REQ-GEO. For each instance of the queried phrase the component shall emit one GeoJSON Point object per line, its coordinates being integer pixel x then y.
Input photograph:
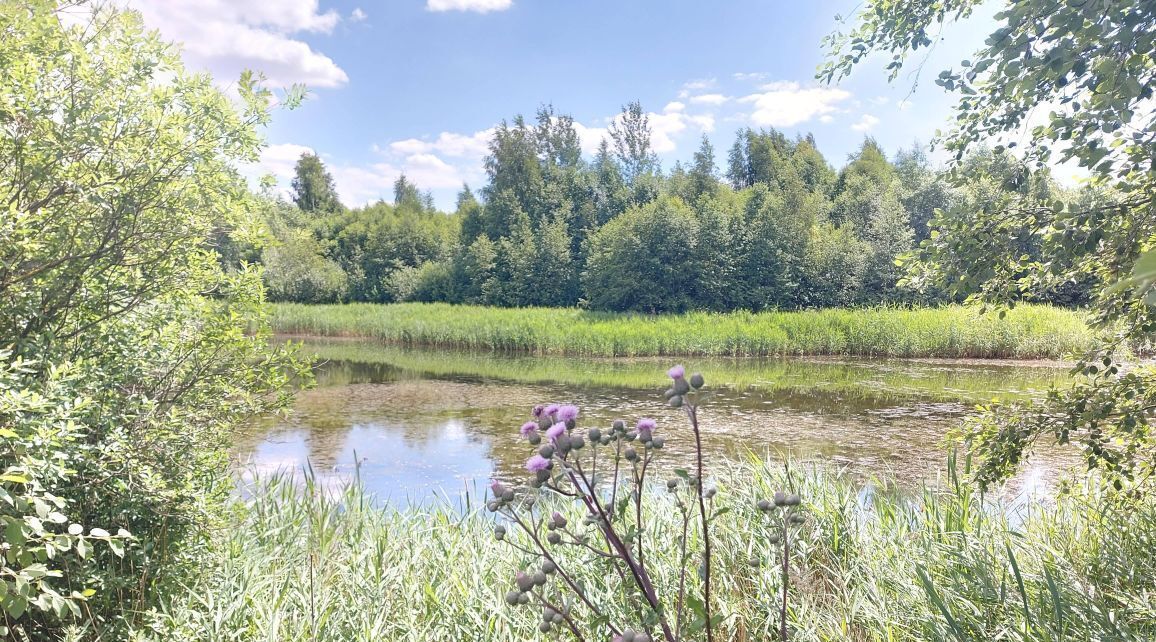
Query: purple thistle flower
{"type": "Point", "coordinates": [497, 488]}
{"type": "Point", "coordinates": [676, 373]}
{"type": "Point", "coordinates": [550, 410]}
{"type": "Point", "coordinates": [567, 413]}
{"type": "Point", "coordinates": [537, 411]}
{"type": "Point", "coordinates": [529, 428]}
{"type": "Point", "coordinates": [646, 425]}
{"type": "Point", "coordinates": [554, 431]}
{"type": "Point", "coordinates": [537, 463]}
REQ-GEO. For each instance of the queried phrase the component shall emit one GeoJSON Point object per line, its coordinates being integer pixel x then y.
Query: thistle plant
{"type": "Point", "coordinates": [610, 475]}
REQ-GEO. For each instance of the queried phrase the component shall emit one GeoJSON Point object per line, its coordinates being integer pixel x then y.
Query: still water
{"type": "Point", "coordinates": [432, 425]}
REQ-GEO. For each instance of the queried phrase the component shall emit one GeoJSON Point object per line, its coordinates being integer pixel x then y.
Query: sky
{"type": "Point", "coordinates": [415, 86]}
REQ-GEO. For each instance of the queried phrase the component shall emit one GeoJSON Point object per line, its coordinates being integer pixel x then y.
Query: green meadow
{"type": "Point", "coordinates": [1026, 332]}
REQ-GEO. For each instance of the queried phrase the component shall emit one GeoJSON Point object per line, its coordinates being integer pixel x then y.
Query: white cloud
{"type": "Point", "coordinates": [880, 100]}
{"type": "Point", "coordinates": [228, 36]}
{"type": "Point", "coordinates": [589, 138]}
{"type": "Point", "coordinates": [674, 106]}
{"type": "Point", "coordinates": [865, 123]}
{"type": "Point", "coordinates": [695, 86]}
{"type": "Point", "coordinates": [749, 77]}
{"type": "Point", "coordinates": [785, 104]}
{"type": "Point", "coordinates": [709, 99]}
{"type": "Point", "coordinates": [277, 161]}
{"type": "Point", "coordinates": [826, 118]}
{"type": "Point", "coordinates": [357, 15]}
{"type": "Point", "coordinates": [474, 145]}
{"type": "Point", "coordinates": [480, 6]}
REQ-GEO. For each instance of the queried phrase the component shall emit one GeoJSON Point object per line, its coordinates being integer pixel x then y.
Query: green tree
{"type": "Point", "coordinates": [643, 259]}
{"type": "Point", "coordinates": [703, 173]}
{"type": "Point", "coordinates": [833, 267]}
{"type": "Point", "coordinates": [313, 188]}
{"type": "Point", "coordinates": [631, 135]}
{"type": "Point", "coordinates": [1092, 63]}
{"type": "Point", "coordinates": [129, 355]}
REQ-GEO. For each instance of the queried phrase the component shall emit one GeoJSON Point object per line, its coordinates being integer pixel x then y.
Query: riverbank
{"type": "Point", "coordinates": [301, 564]}
{"type": "Point", "coordinates": [1027, 332]}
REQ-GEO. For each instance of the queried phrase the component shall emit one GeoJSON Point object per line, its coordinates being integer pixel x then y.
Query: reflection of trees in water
{"type": "Point", "coordinates": [871, 433]}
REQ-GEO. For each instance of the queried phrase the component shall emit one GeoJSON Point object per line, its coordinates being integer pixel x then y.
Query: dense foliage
{"type": "Point", "coordinates": [614, 232]}
{"type": "Point", "coordinates": [1091, 65]}
{"type": "Point", "coordinates": [125, 356]}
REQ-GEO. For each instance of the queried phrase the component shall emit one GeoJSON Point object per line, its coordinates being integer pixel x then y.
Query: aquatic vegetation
{"type": "Point", "coordinates": [1029, 331]}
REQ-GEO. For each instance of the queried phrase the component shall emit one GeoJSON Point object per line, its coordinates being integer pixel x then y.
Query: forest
{"type": "Point", "coordinates": [780, 229]}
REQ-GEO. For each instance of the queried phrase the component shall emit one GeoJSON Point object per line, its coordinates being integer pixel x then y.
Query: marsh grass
{"type": "Point", "coordinates": [872, 563]}
{"type": "Point", "coordinates": [1027, 332]}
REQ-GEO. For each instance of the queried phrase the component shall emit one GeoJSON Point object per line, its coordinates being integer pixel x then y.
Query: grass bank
{"type": "Point", "coordinates": [935, 565]}
{"type": "Point", "coordinates": [1028, 332]}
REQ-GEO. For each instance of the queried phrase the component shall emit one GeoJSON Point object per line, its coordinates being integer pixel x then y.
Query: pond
{"type": "Point", "coordinates": [420, 425]}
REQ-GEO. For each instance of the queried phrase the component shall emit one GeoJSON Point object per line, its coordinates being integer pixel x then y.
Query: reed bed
{"type": "Point", "coordinates": [1027, 332]}
{"type": "Point", "coordinates": [872, 564]}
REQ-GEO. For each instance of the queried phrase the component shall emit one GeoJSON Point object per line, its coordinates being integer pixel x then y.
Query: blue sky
{"type": "Point", "coordinates": [415, 85]}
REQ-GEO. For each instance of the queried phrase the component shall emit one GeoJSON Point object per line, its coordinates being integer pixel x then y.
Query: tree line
{"type": "Point", "coordinates": [781, 228]}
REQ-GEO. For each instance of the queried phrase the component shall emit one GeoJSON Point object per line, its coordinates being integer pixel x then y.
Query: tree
{"type": "Point", "coordinates": [1092, 63]}
{"type": "Point", "coordinates": [406, 195]}
{"type": "Point", "coordinates": [703, 174]}
{"type": "Point", "coordinates": [643, 259]}
{"type": "Point", "coordinates": [129, 355]}
{"type": "Point", "coordinates": [632, 148]}
{"type": "Point", "coordinates": [313, 188]}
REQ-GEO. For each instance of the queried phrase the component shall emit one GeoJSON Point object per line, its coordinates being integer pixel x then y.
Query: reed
{"type": "Point", "coordinates": [1027, 332]}
{"type": "Point", "coordinates": [871, 563]}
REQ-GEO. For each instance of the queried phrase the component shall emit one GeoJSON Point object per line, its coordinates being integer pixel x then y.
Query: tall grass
{"type": "Point", "coordinates": [873, 564]}
{"type": "Point", "coordinates": [954, 331]}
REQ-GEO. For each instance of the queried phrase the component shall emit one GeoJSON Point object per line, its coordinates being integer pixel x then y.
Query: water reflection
{"type": "Point", "coordinates": [417, 425]}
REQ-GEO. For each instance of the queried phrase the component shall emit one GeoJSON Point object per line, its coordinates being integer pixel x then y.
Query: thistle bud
{"type": "Point", "coordinates": [512, 598]}
{"type": "Point", "coordinates": [631, 436]}
{"type": "Point", "coordinates": [577, 443]}
{"type": "Point", "coordinates": [548, 567]}
{"type": "Point", "coordinates": [619, 425]}
{"type": "Point", "coordinates": [524, 598]}
{"type": "Point", "coordinates": [595, 435]}
{"type": "Point", "coordinates": [559, 520]}
{"type": "Point", "coordinates": [629, 635]}
{"type": "Point", "coordinates": [524, 582]}
{"type": "Point", "coordinates": [508, 495]}
{"type": "Point", "coordinates": [541, 476]}
{"type": "Point", "coordinates": [675, 401]}
{"type": "Point", "coordinates": [548, 614]}
{"type": "Point", "coordinates": [696, 381]}
{"type": "Point", "coordinates": [773, 538]}
{"type": "Point", "coordinates": [554, 538]}
{"type": "Point", "coordinates": [681, 386]}
{"type": "Point", "coordinates": [710, 492]}
{"type": "Point", "coordinates": [755, 562]}
{"type": "Point", "coordinates": [797, 519]}
{"type": "Point", "coordinates": [539, 578]}
{"type": "Point", "coordinates": [492, 506]}
{"type": "Point", "coordinates": [534, 439]}
{"type": "Point", "coordinates": [794, 500]}
{"type": "Point", "coordinates": [669, 393]}
{"type": "Point", "coordinates": [764, 505]}
{"type": "Point", "coordinates": [671, 484]}
{"type": "Point", "coordinates": [546, 451]}
{"type": "Point", "coordinates": [545, 627]}
{"type": "Point", "coordinates": [780, 498]}
{"type": "Point", "coordinates": [499, 532]}
{"type": "Point", "coordinates": [658, 442]}
{"type": "Point", "coordinates": [631, 454]}
{"type": "Point", "coordinates": [557, 619]}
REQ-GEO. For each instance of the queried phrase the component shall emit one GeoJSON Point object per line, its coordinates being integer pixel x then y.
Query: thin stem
{"type": "Point", "coordinates": [692, 413]}
{"type": "Point", "coordinates": [786, 578]}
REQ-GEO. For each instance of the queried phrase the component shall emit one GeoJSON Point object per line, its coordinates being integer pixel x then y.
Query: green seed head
{"type": "Point", "coordinates": [595, 435]}
{"type": "Point", "coordinates": [696, 381]}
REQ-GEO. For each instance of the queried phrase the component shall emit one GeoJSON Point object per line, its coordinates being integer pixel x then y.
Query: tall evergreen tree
{"type": "Point", "coordinates": [313, 188]}
{"type": "Point", "coordinates": [631, 134]}
{"type": "Point", "coordinates": [703, 173]}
